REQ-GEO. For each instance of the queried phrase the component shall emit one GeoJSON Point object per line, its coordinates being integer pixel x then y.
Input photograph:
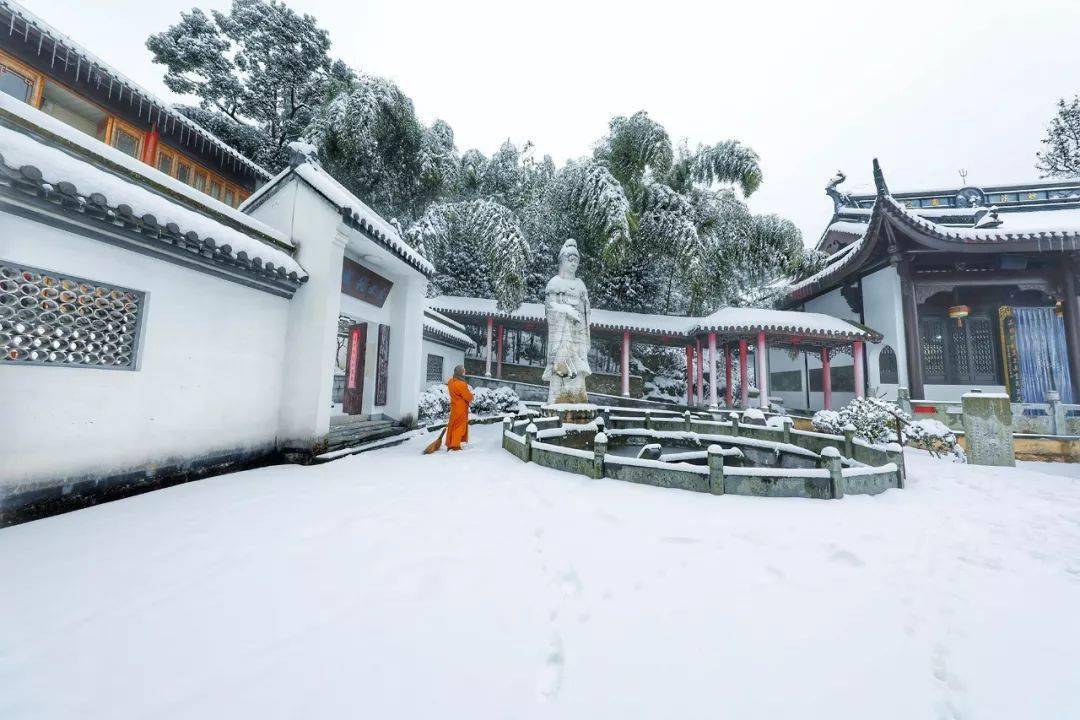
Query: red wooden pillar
{"type": "Point", "coordinates": [762, 372]}
{"type": "Point", "coordinates": [712, 369]}
{"type": "Point", "coordinates": [626, 363]}
{"type": "Point", "coordinates": [700, 373]}
{"type": "Point", "coordinates": [502, 334]}
{"type": "Point", "coordinates": [689, 374]}
{"type": "Point", "coordinates": [860, 383]}
{"type": "Point", "coordinates": [727, 375]}
{"type": "Point", "coordinates": [487, 361]}
{"type": "Point", "coordinates": [826, 379]}
{"type": "Point", "coordinates": [744, 380]}
{"type": "Point", "coordinates": [150, 147]}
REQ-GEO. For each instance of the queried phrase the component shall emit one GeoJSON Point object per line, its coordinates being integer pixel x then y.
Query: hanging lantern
{"type": "Point", "coordinates": [1059, 308]}
{"type": "Point", "coordinates": [793, 351]}
{"type": "Point", "coordinates": [958, 313]}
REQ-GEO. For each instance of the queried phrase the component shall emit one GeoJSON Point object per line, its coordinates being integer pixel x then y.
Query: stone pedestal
{"type": "Point", "coordinates": [988, 429]}
{"type": "Point", "coordinates": [578, 413]}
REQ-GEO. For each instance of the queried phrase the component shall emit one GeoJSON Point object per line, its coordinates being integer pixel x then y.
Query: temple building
{"type": "Point", "coordinates": [970, 288]}
{"type": "Point", "coordinates": [49, 71]}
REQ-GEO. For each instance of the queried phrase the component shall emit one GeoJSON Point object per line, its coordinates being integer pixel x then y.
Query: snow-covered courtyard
{"type": "Point", "coordinates": [472, 585]}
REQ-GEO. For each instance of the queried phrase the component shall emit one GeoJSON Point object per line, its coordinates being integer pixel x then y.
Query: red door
{"type": "Point", "coordinates": [353, 402]}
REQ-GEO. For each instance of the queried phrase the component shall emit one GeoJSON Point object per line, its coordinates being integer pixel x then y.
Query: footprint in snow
{"type": "Point", "coordinates": [552, 671]}
{"type": "Point", "coordinates": [845, 557]}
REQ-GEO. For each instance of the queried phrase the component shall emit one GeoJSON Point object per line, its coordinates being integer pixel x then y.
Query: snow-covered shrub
{"type": "Point", "coordinates": [828, 421]}
{"type": "Point", "coordinates": [935, 437]}
{"type": "Point", "coordinates": [874, 419]}
{"type": "Point", "coordinates": [499, 401]}
{"type": "Point", "coordinates": [434, 403]}
{"type": "Point", "coordinates": [779, 421]}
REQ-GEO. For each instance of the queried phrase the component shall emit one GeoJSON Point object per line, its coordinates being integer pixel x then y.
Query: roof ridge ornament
{"type": "Point", "coordinates": [879, 180]}
{"type": "Point", "coordinates": [840, 199]}
{"type": "Point", "coordinates": [303, 152]}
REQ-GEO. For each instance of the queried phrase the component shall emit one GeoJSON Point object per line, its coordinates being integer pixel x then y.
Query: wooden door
{"type": "Point", "coordinates": [353, 400]}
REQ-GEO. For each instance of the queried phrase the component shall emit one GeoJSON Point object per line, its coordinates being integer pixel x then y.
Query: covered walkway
{"type": "Point", "coordinates": [733, 332]}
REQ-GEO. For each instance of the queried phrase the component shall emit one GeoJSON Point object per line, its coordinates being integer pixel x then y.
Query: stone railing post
{"type": "Point", "coordinates": [988, 429]}
{"type": "Point", "coordinates": [1057, 412]}
{"type": "Point", "coordinates": [785, 428]}
{"type": "Point", "coordinates": [830, 457]}
{"type": "Point", "coordinates": [648, 419]}
{"type": "Point", "coordinates": [599, 451]}
{"type": "Point", "coordinates": [734, 423]}
{"type": "Point", "coordinates": [716, 470]}
{"type": "Point", "coordinates": [508, 424]}
{"type": "Point", "coordinates": [903, 399]}
{"type": "Point", "coordinates": [530, 438]}
{"type": "Point", "coordinates": [849, 440]}
{"type": "Point", "coordinates": [894, 453]}
{"type": "Point", "coordinates": [686, 421]}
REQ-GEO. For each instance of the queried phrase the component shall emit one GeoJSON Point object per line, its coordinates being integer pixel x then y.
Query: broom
{"type": "Point", "coordinates": [435, 444]}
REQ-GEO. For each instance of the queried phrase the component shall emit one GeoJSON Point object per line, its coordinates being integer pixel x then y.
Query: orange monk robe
{"type": "Point", "coordinates": [457, 429]}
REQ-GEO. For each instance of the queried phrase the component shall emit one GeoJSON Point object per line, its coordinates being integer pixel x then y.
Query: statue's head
{"type": "Point", "coordinates": [569, 259]}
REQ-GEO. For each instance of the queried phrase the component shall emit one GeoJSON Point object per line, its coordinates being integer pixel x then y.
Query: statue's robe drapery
{"type": "Point", "coordinates": [457, 428]}
{"type": "Point", "coordinates": [566, 302]}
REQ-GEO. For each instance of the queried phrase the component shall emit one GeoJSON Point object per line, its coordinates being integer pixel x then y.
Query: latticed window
{"type": "Point", "coordinates": [933, 348]}
{"type": "Point", "coordinates": [54, 319]}
{"type": "Point", "coordinates": [955, 354]}
{"type": "Point", "coordinates": [887, 369]}
{"type": "Point", "coordinates": [434, 368]}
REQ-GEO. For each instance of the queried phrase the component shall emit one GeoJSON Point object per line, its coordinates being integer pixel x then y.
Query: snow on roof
{"type": "Point", "coordinates": [733, 320]}
{"type": "Point", "coordinates": [435, 315]}
{"type": "Point", "coordinates": [36, 119]}
{"type": "Point", "coordinates": [834, 263]}
{"type": "Point", "coordinates": [446, 329]}
{"type": "Point", "coordinates": [86, 57]}
{"type": "Point", "coordinates": [341, 198]}
{"type": "Point", "coordinates": [1064, 219]}
{"type": "Point", "coordinates": [18, 150]}
{"type": "Point", "coordinates": [851, 228]}
{"type": "Point", "coordinates": [1050, 231]}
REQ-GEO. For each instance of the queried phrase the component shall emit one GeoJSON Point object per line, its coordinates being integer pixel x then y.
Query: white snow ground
{"type": "Point", "coordinates": [471, 585]}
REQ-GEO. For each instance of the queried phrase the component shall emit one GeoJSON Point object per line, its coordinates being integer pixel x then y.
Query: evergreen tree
{"type": "Point", "coordinates": [260, 63]}
{"type": "Point", "coordinates": [1061, 154]}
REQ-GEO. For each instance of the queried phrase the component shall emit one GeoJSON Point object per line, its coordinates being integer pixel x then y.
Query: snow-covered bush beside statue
{"type": "Point", "coordinates": [435, 402]}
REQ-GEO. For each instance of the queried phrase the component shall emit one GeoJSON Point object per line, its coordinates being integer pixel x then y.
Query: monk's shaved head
{"type": "Point", "coordinates": [459, 371]}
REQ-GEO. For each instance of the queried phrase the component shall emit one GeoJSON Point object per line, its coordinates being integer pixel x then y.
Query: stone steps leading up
{"type": "Point", "coordinates": [355, 435]}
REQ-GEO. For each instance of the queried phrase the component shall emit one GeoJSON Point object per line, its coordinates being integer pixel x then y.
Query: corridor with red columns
{"type": "Point", "coordinates": [728, 338]}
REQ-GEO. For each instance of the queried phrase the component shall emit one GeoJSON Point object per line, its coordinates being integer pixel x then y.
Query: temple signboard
{"type": "Point", "coordinates": [363, 284]}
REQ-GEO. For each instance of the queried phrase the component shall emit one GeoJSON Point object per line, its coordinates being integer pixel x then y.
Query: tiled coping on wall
{"type": "Point", "coordinates": [812, 465]}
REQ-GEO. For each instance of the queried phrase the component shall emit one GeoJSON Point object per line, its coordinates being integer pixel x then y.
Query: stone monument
{"type": "Point", "coordinates": [988, 433]}
{"type": "Point", "coordinates": [566, 305]}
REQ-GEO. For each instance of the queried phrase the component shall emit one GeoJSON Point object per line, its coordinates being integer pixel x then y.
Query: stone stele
{"type": "Point", "coordinates": [988, 433]}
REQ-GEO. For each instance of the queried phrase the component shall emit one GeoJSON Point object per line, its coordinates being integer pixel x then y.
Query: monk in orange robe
{"type": "Point", "coordinates": [457, 428]}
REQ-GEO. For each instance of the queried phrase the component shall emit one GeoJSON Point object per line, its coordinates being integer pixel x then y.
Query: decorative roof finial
{"type": "Point", "coordinates": [302, 152]}
{"type": "Point", "coordinates": [879, 180]}
{"type": "Point", "coordinates": [840, 199]}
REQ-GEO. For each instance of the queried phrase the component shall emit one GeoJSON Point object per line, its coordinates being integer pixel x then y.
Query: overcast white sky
{"type": "Point", "coordinates": [927, 87]}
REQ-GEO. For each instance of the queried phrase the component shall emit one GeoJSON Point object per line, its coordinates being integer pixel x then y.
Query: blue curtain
{"type": "Point", "coordinates": [1044, 364]}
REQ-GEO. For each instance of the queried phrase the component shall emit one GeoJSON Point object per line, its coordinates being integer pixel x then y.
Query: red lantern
{"type": "Point", "coordinates": [958, 313]}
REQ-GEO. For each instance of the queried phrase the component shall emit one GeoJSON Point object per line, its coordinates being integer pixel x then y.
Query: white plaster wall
{"type": "Point", "coordinates": [451, 358]}
{"type": "Point", "coordinates": [780, 361]}
{"type": "Point", "coordinates": [209, 378]}
{"type": "Point", "coordinates": [884, 312]}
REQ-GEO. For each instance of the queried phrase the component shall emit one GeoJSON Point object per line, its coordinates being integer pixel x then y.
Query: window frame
{"type": "Point", "coordinates": [949, 341]}
{"type": "Point", "coordinates": [36, 77]}
{"type": "Point", "coordinates": [114, 125]}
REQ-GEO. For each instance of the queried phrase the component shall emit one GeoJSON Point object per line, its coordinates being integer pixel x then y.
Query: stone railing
{"type": "Point", "coordinates": [811, 464]}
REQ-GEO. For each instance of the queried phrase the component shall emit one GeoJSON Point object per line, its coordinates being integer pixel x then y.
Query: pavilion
{"type": "Point", "coordinates": [732, 332]}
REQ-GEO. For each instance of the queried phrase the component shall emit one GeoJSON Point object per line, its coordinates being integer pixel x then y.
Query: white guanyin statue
{"type": "Point", "coordinates": [566, 302]}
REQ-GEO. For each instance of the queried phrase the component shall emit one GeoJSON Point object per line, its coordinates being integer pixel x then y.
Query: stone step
{"type": "Point", "coordinates": [367, 445]}
{"type": "Point", "coordinates": [362, 436]}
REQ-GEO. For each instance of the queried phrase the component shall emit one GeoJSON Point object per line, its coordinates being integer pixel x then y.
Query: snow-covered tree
{"type": "Point", "coordinates": [1061, 154]}
{"type": "Point", "coordinates": [477, 248]}
{"type": "Point", "coordinates": [260, 63]}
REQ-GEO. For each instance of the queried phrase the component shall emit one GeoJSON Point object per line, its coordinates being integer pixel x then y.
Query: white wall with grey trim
{"type": "Point", "coordinates": [208, 377]}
